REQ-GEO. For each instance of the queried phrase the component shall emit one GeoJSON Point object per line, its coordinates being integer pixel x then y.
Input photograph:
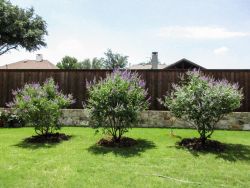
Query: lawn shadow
{"type": "Point", "coordinates": [232, 152]}
{"type": "Point", "coordinates": [235, 152]}
{"type": "Point", "coordinates": [28, 144]}
{"type": "Point", "coordinates": [141, 146]}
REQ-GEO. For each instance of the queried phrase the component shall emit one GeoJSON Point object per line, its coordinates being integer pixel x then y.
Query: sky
{"type": "Point", "coordinates": [212, 33]}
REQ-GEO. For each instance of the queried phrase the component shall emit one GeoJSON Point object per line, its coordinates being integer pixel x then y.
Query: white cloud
{"type": "Point", "coordinates": [221, 51]}
{"type": "Point", "coordinates": [199, 32]}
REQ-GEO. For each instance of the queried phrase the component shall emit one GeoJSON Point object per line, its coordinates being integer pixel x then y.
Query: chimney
{"type": "Point", "coordinates": [39, 57]}
{"type": "Point", "coordinates": [154, 60]}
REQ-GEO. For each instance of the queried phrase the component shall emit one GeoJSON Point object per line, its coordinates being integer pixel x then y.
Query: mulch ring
{"type": "Point", "coordinates": [49, 138]}
{"type": "Point", "coordinates": [196, 145]}
{"type": "Point", "coordinates": [124, 142]}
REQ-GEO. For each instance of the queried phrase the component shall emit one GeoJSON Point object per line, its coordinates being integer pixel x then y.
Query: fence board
{"type": "Point", "coordinates": [158, 82]}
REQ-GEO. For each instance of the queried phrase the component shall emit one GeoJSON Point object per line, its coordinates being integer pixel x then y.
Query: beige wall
{"type": "Point", "coordinates": [233, 121]}
{"type": "Point", "coordinates": [151, 118]}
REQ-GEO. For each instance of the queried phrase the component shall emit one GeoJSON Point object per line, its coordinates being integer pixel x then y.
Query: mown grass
{"type": "Point", "coordinates": [155, 162]}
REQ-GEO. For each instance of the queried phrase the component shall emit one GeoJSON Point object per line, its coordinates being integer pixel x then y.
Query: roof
{"type": "Point", "coordinates": [146, 66]}
{"type": "Point", "coordinates": [185, 62]}
{"type": "Point", "coordinates": [30, 64]}
{"type": "Point", "coordinates": [181, 64]}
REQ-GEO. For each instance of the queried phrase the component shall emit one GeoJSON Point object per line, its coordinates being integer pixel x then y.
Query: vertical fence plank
{"type": "Point", "coordinates": [158, 82]}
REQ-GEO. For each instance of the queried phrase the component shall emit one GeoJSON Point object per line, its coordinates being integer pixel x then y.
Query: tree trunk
{"type": "Point", "coordinates": [203, 138]}
{"type": "Point", "coordinates": [117, 136]}
{"type": "Point", "coordinates": [203, 141]}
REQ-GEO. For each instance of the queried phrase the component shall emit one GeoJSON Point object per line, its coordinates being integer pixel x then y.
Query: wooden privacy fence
{"type": "Point", "coordinates": [158, 82]}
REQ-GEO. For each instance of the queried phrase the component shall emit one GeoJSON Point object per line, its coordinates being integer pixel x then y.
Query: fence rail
{"type": "Point", "coordinates": [158, 82]}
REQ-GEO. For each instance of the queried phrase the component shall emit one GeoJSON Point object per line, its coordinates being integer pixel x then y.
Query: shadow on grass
{"type": "Point", "coordinates": [27, 143]}
{"type": "Point", "coordinates": [235, 152]}
{"type": "Point", "coordinates": [141, 146]}
{"type": "Point", "coordinates": [232, 152]}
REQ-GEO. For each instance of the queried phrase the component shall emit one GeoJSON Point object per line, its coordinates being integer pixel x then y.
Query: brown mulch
{"type": "Point", "coordinates": [124, 142]}
{"type": "Point", "coordinates": [196, 145]}
{"type": "Point", "coordinates": [49, 138]}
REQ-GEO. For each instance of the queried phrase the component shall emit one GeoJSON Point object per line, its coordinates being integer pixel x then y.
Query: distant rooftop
{"type": "Point", "coordinates": [31, 64]}
{"type": "Point", "coordinates": [147, 66]}
{"type": "Point", "coordinates": [184, 64]}
{"type": "Point", "coordinates": [181, 64]}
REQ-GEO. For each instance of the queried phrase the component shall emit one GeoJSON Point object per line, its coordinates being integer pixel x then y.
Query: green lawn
{"type": "Point", "coordinates": [155, 162]}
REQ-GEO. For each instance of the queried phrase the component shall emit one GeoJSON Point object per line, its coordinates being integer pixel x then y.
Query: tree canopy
{"type": "Point", "coordinates": [203, 101]}
{"type": "Point", "coordinates": [115, 103]}
{"type": "Point", "coordinates": [115, 60]}
{"type": "Point", "coordinates": [20, 28]}
{"type": "Point", "coordinates": [85, 64]}
{"type": "Point", "coordinates": [97, 63]}
{"type": "Point", "coordinates": [68, 63]}
{"type": "Point", "coordinates": [110, 61]}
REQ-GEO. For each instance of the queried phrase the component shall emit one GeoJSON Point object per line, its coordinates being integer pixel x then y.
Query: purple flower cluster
{"type": "Point", "coordinates": [37, 91]}
{"type": "Point", "coordinates": [10, 104]}
{"type": "Point", "coordinates": [212, 81]}
{"type": "Point", "coordinates": [128, 76]}
{"type": "Point", "coordinates": [142, 83]}
{"type": "Point", "coordinates": [69, 97]}
{"type": "Point", "coordinates": [35, 85]}
{"type": "Point", "coordinates": [57, 87]}
{"type": "Point", "coordinates": [26, 98]}
{"type": "Point", "coordinates": [15, 92]}
{"type": "Point", "coordinates": [89, 84]}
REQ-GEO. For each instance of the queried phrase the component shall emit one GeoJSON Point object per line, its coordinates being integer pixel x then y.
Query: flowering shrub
{"type": "Point", "coordinates": [203, 101]}
{"type": "Point", "coordinates": [115, 102]}
{"type": "Point", "coordinates": [40, 105]}
{"type": "Point", "coordinates": [10, 120]}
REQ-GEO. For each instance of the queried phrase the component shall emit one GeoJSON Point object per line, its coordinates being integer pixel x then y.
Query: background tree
{"type": "Point", "coordinates": [85, 64]}
{"type": "Point", "coordinates": [115, 60]}
{"type": "Point", "coordinates": [72, 63]}
{"type": "Point", "coordinates": [68, 63]}
{"type": "Point", "coordinates": [110, 61]}
{"type": "Point", "coordinates": [97, 63]}
{"type": "Point", "coordinates": [20, 28]}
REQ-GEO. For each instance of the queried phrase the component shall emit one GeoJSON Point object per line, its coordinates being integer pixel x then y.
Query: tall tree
{"type": "Point", "coordinates": [115, 60]}
{"type": "Point", "coordinates": [68, 62]}
{"type": "Point", "coordinates": [97, 63]}
{"type": "Point", "coordinates": [85, 64]}
{"type": "Point", "coordinates": [20, 28]}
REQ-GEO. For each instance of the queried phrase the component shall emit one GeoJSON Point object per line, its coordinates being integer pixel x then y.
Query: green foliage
{"type": "Point", "coordinates": [203, 101]}
{"type": "Point", "coordinates": [111, 61]}
{"type": "Point", "coordinates": [20, 28]}
{"type": "Point", "coordinates": [85, 64]}
{"type": "Point", "coordinates": [97, 63]}
{"type": "Point", "coordinates": [72, 63]}
{"type": "Point", "coordinates": [40, 105]}
{"type": "Point", "coordinates": [115, 103]}
{"type": "Point", "coordinates": [68, 63]}
{"type": "Point", "coordinates": [115, 60]}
